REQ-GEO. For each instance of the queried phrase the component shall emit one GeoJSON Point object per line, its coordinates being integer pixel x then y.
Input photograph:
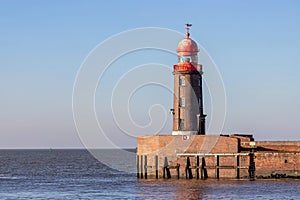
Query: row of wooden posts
{"type": "Point", "coordinates": [201, 168]}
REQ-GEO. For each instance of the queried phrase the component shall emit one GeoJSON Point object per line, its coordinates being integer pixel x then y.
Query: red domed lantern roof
{"type": "Point", "coordinates": [187, 46]}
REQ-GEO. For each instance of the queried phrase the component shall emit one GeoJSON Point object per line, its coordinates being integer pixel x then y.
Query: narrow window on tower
{"type": "Point", "coordinates": [199, 82]}
{"type": "Point", "coordinates": [181, 101]}
{"type": "Point", "coordinates": [182, 80]}
{"type": "Point", "coordinates": [181, 124]}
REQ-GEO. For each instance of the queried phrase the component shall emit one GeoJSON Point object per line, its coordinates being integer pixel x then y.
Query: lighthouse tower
{"type": "Point", "coordinates": [188, 117]}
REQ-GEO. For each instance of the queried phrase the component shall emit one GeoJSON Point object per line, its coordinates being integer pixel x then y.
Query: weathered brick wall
{"type": "Point", "coordinates": [282, 146]}
{"type": "Point", "coordinates": [268, 163]}
{"type": "Point", "coordinates": [170, 145]}
{"type": "Point", "coordinates": [244, 141]}
{"type": "Point", "coordinates": [195, 144]}
{"type": "Point", "coordinates": [270, 157]}
{"type": "Point", "coordinates": [147, 144]}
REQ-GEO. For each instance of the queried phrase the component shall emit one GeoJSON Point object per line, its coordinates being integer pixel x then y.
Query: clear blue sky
{"type": "Point", "coordinates": [255, 44]}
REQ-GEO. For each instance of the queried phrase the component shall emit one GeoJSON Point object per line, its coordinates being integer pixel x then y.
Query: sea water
{"type": "Point", "coordinates": [76, 174]}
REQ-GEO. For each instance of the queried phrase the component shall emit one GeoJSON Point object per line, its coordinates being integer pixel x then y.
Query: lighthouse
{"type": "Point", "coordinates": [188, 117]}
{"type": "Point", "coordinates": [189, 153]}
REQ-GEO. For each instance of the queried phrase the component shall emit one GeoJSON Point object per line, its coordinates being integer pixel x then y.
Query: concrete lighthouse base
{"type": "Point", "coordinates": [215, 156]}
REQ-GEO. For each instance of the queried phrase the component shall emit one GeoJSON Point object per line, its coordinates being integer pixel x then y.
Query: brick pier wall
{"type": "Point", "coordinates": [271, 158]}
{"type": "Point", "coordinates": [166, 148]}
{"type": "Point", "coordinates": [282, 146]}
{"type": "Point", "coordinates": [277, 157]}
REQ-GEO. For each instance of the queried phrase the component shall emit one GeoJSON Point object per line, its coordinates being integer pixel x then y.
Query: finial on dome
{"type": "Point", "coordinates": [187, 30]}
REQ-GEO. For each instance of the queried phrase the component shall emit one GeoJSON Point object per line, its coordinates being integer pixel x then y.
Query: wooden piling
{"type": "Point", "coordinates": [201, 169]}
{"type": "Point", "coordinates": [178, 172]}
{"type": "Point", "coordinates": [137, 166]}
{"type": "Point", "coordinates": [251, 169]}
{"type": "Point", "coordinates": [145, 166]}
{"type": "Point", "coordinates": [197, 167]}
{"type": "Point", "coordinates": [156, 166]}
{"type": "Point", "coordinates": [217, 169]}
{"type": "Point", "coordinates": [237, 166]}
{"type": "Point", "coordinates": [141, 166]}
{"type": "Point", "coordinates": [188, 170]}
{"type": "Point", "coordinates": [204, 170]}
{"type": "Point", "coordinates": [166, 170]}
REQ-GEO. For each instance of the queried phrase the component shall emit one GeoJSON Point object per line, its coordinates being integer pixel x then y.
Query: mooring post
{"type": "Point", "coordinates": [237, 167]}
{"type": "Point", "coordinates": [156, 166]}
{"type": "Point", "coordinates": [145, 166]}
{"type": "Point", "coordinates": [137, 166]}
{"type": "Point", "coordinates": [141, 165]}
{"type": "Point", "coordinates": [217, 170]}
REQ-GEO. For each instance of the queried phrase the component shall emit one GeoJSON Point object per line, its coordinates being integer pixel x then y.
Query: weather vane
{"type": "Point", "coordinates": [187, 30]}
{"type": "Point", "coordinates": [188, 27]}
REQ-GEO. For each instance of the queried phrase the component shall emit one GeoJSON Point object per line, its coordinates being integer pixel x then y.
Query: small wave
{"type": "Point", "coordinates": [10, 177]}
